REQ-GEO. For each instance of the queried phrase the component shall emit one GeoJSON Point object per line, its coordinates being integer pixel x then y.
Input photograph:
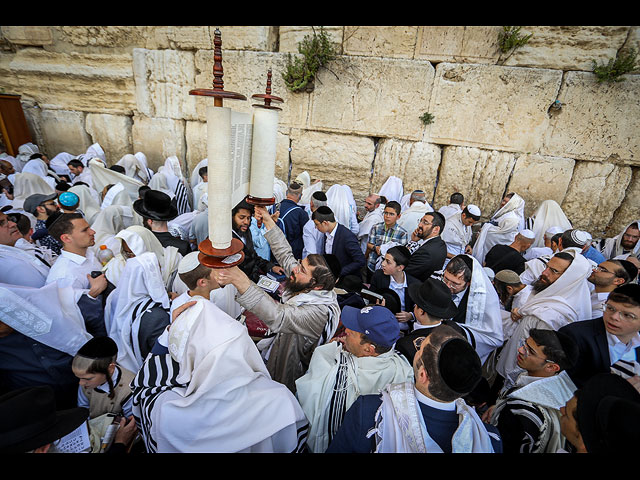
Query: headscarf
{"type": "Point", "coordinates": [549, 214]}
{"type": "Point", "coordinates": [140, 288]}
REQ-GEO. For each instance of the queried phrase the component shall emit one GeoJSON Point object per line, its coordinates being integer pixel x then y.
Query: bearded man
{"type": "Point", "coordinates": [307, 315]}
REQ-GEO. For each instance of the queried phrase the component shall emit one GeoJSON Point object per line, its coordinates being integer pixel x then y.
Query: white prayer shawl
{"type": "Point", "coordinates": [59, 163]}
{"type": "Point", "coordinates": [549, 214]}
{"type": "Point", "coordinates": [404, 202]}
{"type": "Point", "coordinates": [400, 426]}
{"type": "Point", "coordinates": [87, 202]}
{"type": "Point", "coordinates": [319, 297]}
{"type": "Point", "coordinates": [27, 184]}
{"type": "Point", "coordinates": [107, 224]}
{"type": "Point", "coordinates": [181, 225]}
{"type": "Point", "coordinates": [335, 379]}
{"type": "Point", "coordinates": [140, 285]}
{"type": "Point", "coordinates": [456, 235]}
{"type": "Point", "coordinates": [392, 189]}
{"type": "Point", "coordinates": [341, 201]}
{"type": "Point", "coordinates": [49, 315]}
{"type": "Point", "coordinates": [24, 152]}
{"type": "Point", "coordinates": [102, 177]}
{"type": "Point", "coordinates": [11, 160]}
{"type": "Point", "coordinates": [548, 393]}
{"type": "Point", "coordinates": [195, 173]}
{"type": "Point", "coordinates": [410, 218]}
{"type": "Point", "coordinates": [309, 191]}
{"type": "Point", "coordinates": [94, 151]}
{"type": "Point", "coordinates": [612, 247]}
{"type": "Point", "coordinates": [448, 210]}
{"type": "Point", "coordinates": [202, 188]}
{"type": "Point", "coordinates": [22, 267]}
{"type": "Point", "coordinates": [159, 182]}
{"type": "Point", "coordinates": [38, 251]}
{"type": "Point", "coordinates": [228, 403]}
{"type": "Point", "coordinates": [565, 301]}
{"type": "Point", "coordinates": [142, 158]}
{"type": "Point", "coordinates": [367, 223]}
{"type": "Point", "coordinates": [141, 240]}
{"type": "Point", "coordinates": [279, 189]}
{"type": "Point", "coordinates": [37, 166]}
{"type": "Point", "coordinates": [304, 179]}
{"type": "Point", "coordinates": [134, 168]}
{"type": "Point", "coordinates": [177, 184]}
{"type": "Point", "coordinates": [483, 318]}
{"type": "Point", "coordinates": [510, 220]}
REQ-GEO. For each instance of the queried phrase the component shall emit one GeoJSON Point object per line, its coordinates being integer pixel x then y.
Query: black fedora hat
{"type": "Point", "coordinates": [156, 205]}
{"type": "Point", "coordinates": [29, 420]}
{"type": "Point", "coordinates": [434, 297]}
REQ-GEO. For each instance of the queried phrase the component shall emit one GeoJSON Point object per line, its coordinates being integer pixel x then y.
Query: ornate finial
{"type": "Point", "coordinates": [268, 98]}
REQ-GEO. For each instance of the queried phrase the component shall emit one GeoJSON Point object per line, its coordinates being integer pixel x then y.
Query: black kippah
{"type": "Point", "coordinates": [460, 366]}
{"type": "Point", "coordinates": [99, 347]}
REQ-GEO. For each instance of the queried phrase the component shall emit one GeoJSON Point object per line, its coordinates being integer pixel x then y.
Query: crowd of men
{"type": "Point", "coordinates": [392, 326]}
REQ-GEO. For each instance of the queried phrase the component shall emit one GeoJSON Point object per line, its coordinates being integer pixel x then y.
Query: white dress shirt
{"type": "Point", "coordinates": [329, 237]}
{"type": "Point", "coordinates": [72, 269]}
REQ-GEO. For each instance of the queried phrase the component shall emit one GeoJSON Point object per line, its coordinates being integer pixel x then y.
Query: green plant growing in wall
{"type": "Point", "coordinates": [317, 51]}
{"type": "Point", "coordinates": [427, 118]}
{"type": "Point", "coordinates": [624, 62]}
{"type": "Point", "coordinates": [510, 39]}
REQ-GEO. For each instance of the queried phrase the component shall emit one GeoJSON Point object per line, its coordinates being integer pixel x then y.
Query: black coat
{"type": "Point", "coordinates": [427, 259]}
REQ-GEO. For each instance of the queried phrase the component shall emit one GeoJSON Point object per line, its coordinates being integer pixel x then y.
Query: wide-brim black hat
{"type": "Point", "coordinates": [156, 205]}
{"type": "Point", "coordinates": [29, 420]}
{"type": "Point", "coordinates": [434, 297]}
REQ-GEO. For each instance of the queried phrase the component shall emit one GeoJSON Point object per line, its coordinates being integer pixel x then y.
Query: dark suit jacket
{"type": "Point", "coordinates": [427, 259]}
{"type": "Point", "coordinates": [593, 357]}
{"type": "Point", "coordinates": [380, 281]}
{"type": "Point", "coordinates": [347, 248]}
{"type": "Point", "coordinates": [405, 344]}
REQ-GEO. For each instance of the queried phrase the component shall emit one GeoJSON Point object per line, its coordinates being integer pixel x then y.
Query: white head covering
{"type": "Point", "coordinates": [392, 189]}
{"type": "Point", "coordinates": [549, 214]}
{"type": "Point", "coordinates": [107, 223]}
{"type": "Point", "coordinates": [27, 184]}
{"type": "Point", "coordinates": [218, 361]}
{"type": "Point", "coordinates": [612, 247]}
{"type": "Point", "coordinates": [510, 220]}
{"type": "Point", "coordinates": [49, 315]}
{"type": "Point", "coordinates": [134, 168]}
{"type": "Point", "coordinates": [279, 189]}
{"type": "Point", "coordinates": [195, 175]}
{"type": "Point", "coordinates": [24, 152]}
{"type": "Point", "coordinates": [88, 204]}
{"type": "Point", "coordinates": [59, 163]}
{"type": "Point", "coordinates": [94, 151]}
{"type": "Point", "coordinates": [102, 176]}
{"type": "Point", "coordinates": [139, 282]}
{"type": "Point", "coordinates": [341, 201]}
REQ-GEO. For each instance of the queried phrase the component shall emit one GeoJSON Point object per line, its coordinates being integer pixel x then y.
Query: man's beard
{"type": "Point", "coordinates": [627, 244]}
{"type": "Point", "coordinates": [293, 286]}
{"type": "Point", "coordinates": [539, 285]}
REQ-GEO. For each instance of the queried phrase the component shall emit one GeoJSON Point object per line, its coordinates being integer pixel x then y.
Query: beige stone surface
{"type": "Point", "coordinates": [492, 107]}
{"type": "Point", "coordinates": [64, 131]}
{"type": "Point", "coordinates": [598, 121]}
{"type": "Point", "coordinates": [595, 192]}
{"type": "Point", "coordinates": [343, 159]}
{"type": "Point", "coordinates": [101, 38]}
{"type": "Point", "coordinates": [537, 178]}
{"type": "Point", "coordinates": [470, 44]}
{"type": "Point", "coordinates": [629, 209]}
{"type": "Point", "coordinates": [158, 139]}
{"type": "Point", "coordinates": [480, 175]}
{"type": "Point", "coordinates": [568, 47]}
{"type": "Point", "coordinates": [372, 96]}
{"type": "Point", "coordinates": [112, 132]}
{"type": "Point", "coordinates": [27, 35]}
{"type": "Point", "coordinates": [380, 41]}
{"type": "Point", "coordinates": [291, 36]}
{"type": "Point", "coordinates": [415, 163]}
{"type": "Point", "coordinates": [85, 82]}
{"type": "Point", "coordinates": [163, 79]}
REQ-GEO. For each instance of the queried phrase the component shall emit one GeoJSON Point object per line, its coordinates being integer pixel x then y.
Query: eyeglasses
{"type": "Point", "coordinates": [630, 317]}
{"type": "Point", "coordinates": [529, 351]}
{"type": "Point", "coordinates": [598, 268]}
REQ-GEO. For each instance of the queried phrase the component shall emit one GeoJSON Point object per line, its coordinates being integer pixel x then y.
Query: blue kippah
{"type": "Point", "coordinates": [68, 199]}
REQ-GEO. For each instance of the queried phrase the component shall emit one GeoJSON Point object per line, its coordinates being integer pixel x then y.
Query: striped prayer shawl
{"type": "Point", "coordinates": [338, 401]}
{"type": "Point", "coordinates": [157, 375]}
{"type": "Point", "coordinates": [182, 198]}
{"type": "Point", "coordinates": [626, 368]}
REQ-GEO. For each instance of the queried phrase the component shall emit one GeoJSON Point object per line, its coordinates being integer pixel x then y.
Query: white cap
{"type": "Point", "coordinates": [473, 210]}
{"type": "Point", "coordinates": [580, 237]}
{"type": "Point", "coordinates": [552, 231]}
{"type": "Point", "coordinates": [490, 273]}
{"type": "Point", "coordinates": [528, 234]}
{"type": "Point", "coordinates": [188, 263]}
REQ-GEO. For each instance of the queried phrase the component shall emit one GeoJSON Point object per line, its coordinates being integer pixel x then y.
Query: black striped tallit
{"type": "Point", "coordinates": [338, 401]}
{"type": "Point", "coordinates": [182, 198]}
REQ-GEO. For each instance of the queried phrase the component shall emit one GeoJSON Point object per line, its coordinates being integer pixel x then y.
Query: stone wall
{"type": "Point", "coordinates": [127, 88]}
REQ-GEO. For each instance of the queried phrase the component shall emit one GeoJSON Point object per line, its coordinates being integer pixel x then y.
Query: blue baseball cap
{"type": "Point", "coordinates": [375, 321]}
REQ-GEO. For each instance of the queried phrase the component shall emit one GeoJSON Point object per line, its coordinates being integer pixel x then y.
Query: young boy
{"type": "Point", "coordinates": [385, 232]}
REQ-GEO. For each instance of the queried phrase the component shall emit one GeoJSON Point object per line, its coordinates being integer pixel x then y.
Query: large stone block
{"type": "Point", "coordinates": [372, 96]}
{"type": "Point", "coordinates": [158, 139]}
{"type": "Point", "coordinates": [595, 192]}
{"type": "Point", "coordinates": [236, 37]}
{"type": "Point", "coordinates": [380, 41]}
{"type": "Point", "coordinates": [415, 163]}
{"type": "Point", "coordinates": [83, 82]}
{"type": "Point", "coordinates": [64, 131]}
{"type": "Point", "coordinates": [536, 179]}
{"type": "Point", "coordinates": [291, 36]}
{"type": "Point", "coordinates": [492, 107]}
{"type": "Point", "coordinates": [32, 35]}
{"type": "Point", "coordinates": [102, 38]}
{"type": "Point", "coordinates": [112, 132]}
{"type": "Point", "coordinates": [163, 81]}
{"type": "Point", "coordinates": [567, 47]}
{"type": "Point", "coordinates": [598, 121]}
{"type": "Point", "coordinates": [471, 44]}
{"type": "Point", "coordinates": [343, 159]}
{"type": "Point", "coordinates": [629, 209]}
{"type": "Point", "coordinates": [480, 175]}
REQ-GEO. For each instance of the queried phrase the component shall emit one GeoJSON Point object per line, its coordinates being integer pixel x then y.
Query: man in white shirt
{"type": "Point", "coordinates": [457, 232]}
{"type": "Point", "coordinates": [374, 207]}
{"type": "Point", "coordinates": [605, 278]}
{"type": "Point", "coordinates": [456, 204]}
{"type": "Point", "coordinates": [76, 260]}
{"type": "Point", "coordinates": [311, 236]}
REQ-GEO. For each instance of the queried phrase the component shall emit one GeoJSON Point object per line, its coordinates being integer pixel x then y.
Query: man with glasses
{"type": "Point", "coordinates": [42, 207]}
{"type": "Point", "coordinates": [606, 277]}
{"type": "Point", "coordinates": [626, 242]}
{"type": "Point", "coordinates": [428, 250]}
{"type": "Point", "coordinates": [527, 414]}
{"type": "Point", "coordinates": [610, 343]}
